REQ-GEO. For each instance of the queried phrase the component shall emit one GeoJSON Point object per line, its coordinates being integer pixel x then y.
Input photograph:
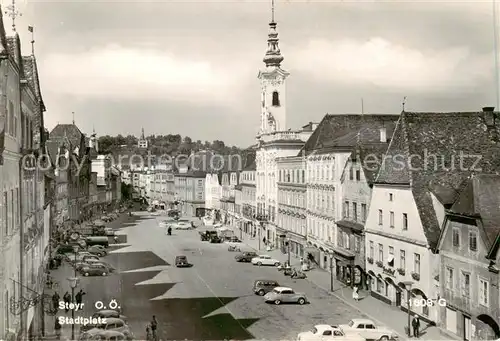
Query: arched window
{"type": "Point", "coordinates": [276, 99]}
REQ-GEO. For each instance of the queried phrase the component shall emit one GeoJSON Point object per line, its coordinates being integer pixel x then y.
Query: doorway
{"type": "Point", "coordinates": [398, 298]}
{"type": "Point", "coordinates": [467, 328]}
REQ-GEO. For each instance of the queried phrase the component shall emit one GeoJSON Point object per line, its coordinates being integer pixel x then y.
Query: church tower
{"type": "Point", "coordinates": [273, 87]}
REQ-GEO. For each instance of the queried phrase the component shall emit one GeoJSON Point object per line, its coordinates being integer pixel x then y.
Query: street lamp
{"type": "Point", "coordinates": [408, 285]}
{"type": "Point", "coordinates": [73, 282]}
{"type": "Point", "coordinates": [331, 271]}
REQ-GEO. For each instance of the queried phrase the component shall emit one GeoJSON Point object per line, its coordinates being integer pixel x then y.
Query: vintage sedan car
{"type": "Point", "coordinates": [107, 313]}
{"type": "Point", "coordinates": [265, 260]}
{"type": "Point", "coordinates": [92, 262]}
{"type": "Point", "coordinates": [95, 269]}
{"type": "Point", "coordinates": [109, 232]}
{"type": "Point", "coordinates": [263, 286]}
{"type": "Point", "coordinates": [106, 218]}
{"type": "Point", "coordinates": [367, 329]}
{"type": "Point", "coordinates": [98, 250]}
{"type": "Point", "coordinates": [102, 335]}
{"type": "Point", "coordinates": [245, 257]}
{"type": "Point", "coordinates": [112, 324]}
{"type": "Point", "coordinates": [325, 332]}
{"type": "Point", "coordinates": [80, 257]}
{"type": "Point", "coordinates": [182, 262]}
{"type": "Point", "coordinates": [182, 225]}
{"type": "Point", "coordinates": [285, 295]}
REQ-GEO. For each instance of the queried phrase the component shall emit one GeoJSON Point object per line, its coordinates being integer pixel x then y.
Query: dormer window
{"type": "Point", "coordinates": [276, 99]}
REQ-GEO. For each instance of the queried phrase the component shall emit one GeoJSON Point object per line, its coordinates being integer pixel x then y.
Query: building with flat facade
{"type": "Point", "coordinates": [468, 249]}
{"type": "Point", "coordinates": [292, 192]}
{"type": "Point", "coordinates": [248, 195]}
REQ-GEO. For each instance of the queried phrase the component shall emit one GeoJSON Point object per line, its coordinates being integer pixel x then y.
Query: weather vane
{"type": "Point", "coordinates": [13, 13]}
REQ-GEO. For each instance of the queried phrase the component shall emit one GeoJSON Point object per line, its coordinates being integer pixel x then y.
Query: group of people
{"type": "Point", "coordinates": [66, 299]}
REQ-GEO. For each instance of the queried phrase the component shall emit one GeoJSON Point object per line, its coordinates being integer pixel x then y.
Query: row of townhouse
{"type": "Point", "coordinates": [44, 178]}
{"type": "Point", "coordinates": [404, 206]}
{"type": "Point", "coordinates": [385, 203]}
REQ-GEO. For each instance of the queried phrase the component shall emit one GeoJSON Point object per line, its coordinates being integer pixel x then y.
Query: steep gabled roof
{"type": "Point", "coordinates": [345, 131]}
{"type": "Point", "coordinates": [420, 145]}
{"type": "Point", "coordinates": [4, 49]}
{"type": "Point", "coordinates": [31, 73]}
{"type": "Point", "coordinates": [481, 199]}
{"type": "Point", "coordinates": [70, 131]}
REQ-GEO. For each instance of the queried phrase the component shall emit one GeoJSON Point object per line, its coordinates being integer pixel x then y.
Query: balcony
{"type": "Point", "coordinates": [284, 135]}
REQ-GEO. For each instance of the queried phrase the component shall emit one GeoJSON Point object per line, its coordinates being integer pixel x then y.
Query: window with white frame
{"type": "Point", "coordinates": [380, 253]}
{"type": "Point", "coordinates": [472, 240]}
{"type": "Point", "coordinates": [363, 213]}
{"type": "Point", "coordinates": [402, 259]}
{"type": "Point", "coordinates": [465, 284]}
{"type": "Point", "coordinates": [484, 289]}
{"type": "Point", "coordinates": [372, 250]}
{"type": "Point", "coordinates": [416, 263]}
{"type": "Point", "coordinates": [380, 217]}
{"type": "Point", "coordinates": [456, 237]}
{"type": "Point", "coordinates": [355, 211]}
{"type": "Point", "coordinates": [391, 219]}
{"type": "Point", "coordinates": [405, 221]}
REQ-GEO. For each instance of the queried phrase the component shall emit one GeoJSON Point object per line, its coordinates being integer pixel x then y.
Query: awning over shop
{"type": "Point", "coordinates": [344, 255]}
{"type": "Point", "coordinates": [351, 225]}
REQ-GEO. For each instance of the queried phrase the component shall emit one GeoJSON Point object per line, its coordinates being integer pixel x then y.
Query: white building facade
{"type": "Point", "coordinates": [292, 192]}
{"type": "Point", "coordinates": [274, 140]}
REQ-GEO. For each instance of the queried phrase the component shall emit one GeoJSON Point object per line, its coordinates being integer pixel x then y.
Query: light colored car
{"type": "Point", "coordinates": [97, 250]}
{"type": "Point", "coordinates": [265, 260]}
{"type": "Point", "coordinates": [166, 223]}
{"type": "Point", "coordinates": [182, 225]}
{"type": "Point", "coordinates": [109, 232]}
{"type": "Point", "coordinates": [107, 313]}
{"type": "Point", "coordinates": [367, 329]}
{"type": "Point", "coordinates": [325, 332]}
{"type": "Point", "coordinates": [97, 334]}
{"type": "Point", "coordinates": [285, 295]}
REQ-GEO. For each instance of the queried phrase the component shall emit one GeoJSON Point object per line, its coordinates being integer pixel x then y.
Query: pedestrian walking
{"type": "Point", "coordinates": [79, 296]}
{"type": "Point", "coordinates": [301, 261]}
{"type": "Point", "coordinates": [55, 301]}
{"type": "Point", "coordinates": [149, 337]}
{"type": "Point", "coordinates": [67, 300]}
{"type": "Point", "coordinates": [416, 326]}
{"type": "Point", "coordinates": [57, 328]}
{"type": "Point", "coordinates": [115, 238]}
{"type": "Point", "coordinates": [154, 325]}
{"type": "Point", "coordinates": [355, 294]}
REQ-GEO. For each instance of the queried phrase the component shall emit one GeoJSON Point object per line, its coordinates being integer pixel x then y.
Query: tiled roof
{"type": "Point", "coordinates": [422, 141]}
{"type": "Point", "coordinates": [70, 131]}
{"type": "Point", "coordinates": [12, 46]}
{"type": "Point", "coordinates": [365, 153]}
{"type": "Point", "coordinates": [336, 131]}
{"type": "Point", "coordinates": [481, 198]}
{"type": "Point", "coordinates": [446, 195]}
{"type": "Point", "coordinates": [3, 38]}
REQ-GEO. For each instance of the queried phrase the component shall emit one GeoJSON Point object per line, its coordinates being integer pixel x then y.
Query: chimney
{"type": "Point", "coordinates": [383, 135]}
{"type": "Point", "coordinates": [488, 109]}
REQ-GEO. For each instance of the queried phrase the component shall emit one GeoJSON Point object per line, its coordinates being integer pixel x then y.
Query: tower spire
{"type": "Point", "coordinates": [13, 13]}
{"type": "Point", "coordinates": [273, 55]}
{"type": "Point", "coordinates": [73, 113]}
{"type": "Point", "coordinates": [31, 30]}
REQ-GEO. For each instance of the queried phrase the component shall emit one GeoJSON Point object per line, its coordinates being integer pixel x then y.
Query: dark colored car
{"type": "Point", "coordinates": [181, 262]}
{"type": "Point", "coordinates": [207, 235]}
{"type": "Point", "coordinates": [103, 241]}
{"type": "Point", "coordinates": [95, 270]}
{"type": "Point", "coordinates": [245, 257]}
{"type": "Point", "coordinates": [263, 286]}
{"type": "Point", "coordinates": [216, 240]}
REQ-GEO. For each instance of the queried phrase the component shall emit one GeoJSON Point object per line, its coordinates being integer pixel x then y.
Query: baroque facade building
{"type": "Point", "coordinates": [248, 195]}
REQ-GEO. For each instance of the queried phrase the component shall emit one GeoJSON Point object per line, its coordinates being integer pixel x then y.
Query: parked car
{"type": "Point", "coordinates": [234, 239]}
{"type": "Point", "coordinates": [96, 269]}
{"type": "Point", "coordinates": [182, 262]}
{"type": "Point", "coordinates": [92, 262]}
{"type": "Point", "coordinates": [265, 260]}
{"type": "Point", "coordinates": [68, 248]}
{"type": "Point", "coordinates": [102, 335]}
{"type": "Point", "coordinates": [107, 313]}
{"type": "Point", "coordinates": [111, 324]}
{"type": "Point", "coordinates": [263, 286]}
{"type": "Point", "coordinates": [106, 218]}
{"type": "Point", "coordinates": [97, 250]}
{"type": "Point", "coordinates": [245, 257]}
{"type": "Point", "coordinates": [285, 295]}
{"type": "Point", "coordinates": [324, 332]}
{"type": "Point", "coordinates": [81, 257]}
{"type": "Point", "coordinates": [214, 239]}
{"type": "Point", "coordinates": [109, 232]}
{"type": "Point", "coordinates": [182, 225]}
{"type": "Point", "coordinates": [367, 329]}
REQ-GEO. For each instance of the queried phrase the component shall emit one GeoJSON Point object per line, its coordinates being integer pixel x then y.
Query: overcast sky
{"type": "Point", "coordinates": [191, 67]}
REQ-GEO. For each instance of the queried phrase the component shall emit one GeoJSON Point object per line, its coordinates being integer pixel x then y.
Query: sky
{"type": "Point", "coordinates": [190, 67]}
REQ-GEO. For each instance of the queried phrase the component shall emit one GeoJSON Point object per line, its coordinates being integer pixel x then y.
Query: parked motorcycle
{"type": "Point", "coordinates": [233, 248]}
{"type": "Point", "coordinates": [283, 266]}
{"type": "Point", "coordinates": [298, 275]}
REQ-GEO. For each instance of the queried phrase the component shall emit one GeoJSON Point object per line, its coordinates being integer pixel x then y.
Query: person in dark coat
{"type": "Point", "coordinates": [67, 300]}
{"type": "Point", "coordinates": [416, 326]}
{"type": "Point", "coordinates": [57, 328]}
{"type": "Point", "coordinates": [79, 296]}
{"type": "Point", "coordinates": [55, 301]}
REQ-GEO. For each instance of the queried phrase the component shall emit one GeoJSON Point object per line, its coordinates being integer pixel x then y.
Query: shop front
{"type": "Point", "coordinates": [298, 244]}
{"type": "Point", "coordinates": [344, 267]}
